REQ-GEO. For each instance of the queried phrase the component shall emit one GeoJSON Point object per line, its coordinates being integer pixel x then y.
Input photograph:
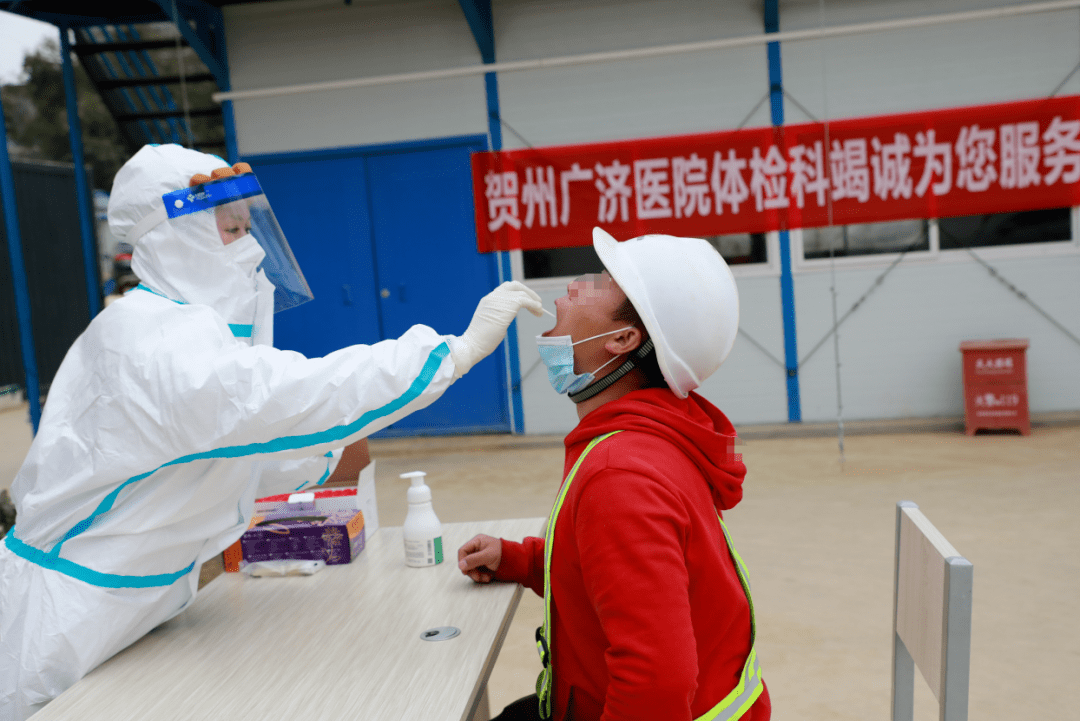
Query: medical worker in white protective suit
{"type": "Point", "coordinates": [172, 412]}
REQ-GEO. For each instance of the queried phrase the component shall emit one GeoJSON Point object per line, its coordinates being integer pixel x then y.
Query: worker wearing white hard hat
{"type": "Point", "coordinates": [172, 412]}
{"type": "Point", "coordinates": [647, 605]}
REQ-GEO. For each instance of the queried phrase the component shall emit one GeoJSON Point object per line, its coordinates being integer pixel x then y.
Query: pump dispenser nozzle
{"type": "Point", "coordinates": [418, 491]}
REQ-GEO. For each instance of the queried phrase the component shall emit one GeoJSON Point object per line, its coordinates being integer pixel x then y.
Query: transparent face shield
{"type": "Point", "coordinates": [228, 210]}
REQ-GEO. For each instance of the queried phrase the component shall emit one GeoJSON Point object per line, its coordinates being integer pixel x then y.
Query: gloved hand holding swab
{"type": "Point", "coordinates": [497, 310]}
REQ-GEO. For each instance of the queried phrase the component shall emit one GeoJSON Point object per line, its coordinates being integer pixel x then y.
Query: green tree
{"type": "Point", "coordinates": [35, 112]}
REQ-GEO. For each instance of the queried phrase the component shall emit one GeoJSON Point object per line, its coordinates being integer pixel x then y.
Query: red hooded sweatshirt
{"type": "Point", "coordinates": [649, 618]}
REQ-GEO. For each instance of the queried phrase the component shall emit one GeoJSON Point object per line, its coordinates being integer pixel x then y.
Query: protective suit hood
{"type": "Point", "coordinates": [194, 266]}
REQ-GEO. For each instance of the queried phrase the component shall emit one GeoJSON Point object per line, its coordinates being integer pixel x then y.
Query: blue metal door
{"type": "Point", "coordinates": [321, 204]}
{"type": "Point", "coordinates": [429, 272]}
{"type": "Point", "coordinates": [386, 238]}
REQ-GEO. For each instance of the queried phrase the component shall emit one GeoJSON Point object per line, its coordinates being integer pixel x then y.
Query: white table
{"type": "Point", "coordinates": [342, 644]}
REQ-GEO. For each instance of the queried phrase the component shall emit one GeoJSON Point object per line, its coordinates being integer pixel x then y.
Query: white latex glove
{"type": "Point", "coordinates": [493, 316]}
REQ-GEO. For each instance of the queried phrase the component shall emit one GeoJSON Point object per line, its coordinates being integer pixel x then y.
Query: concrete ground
{"type": "Point", "coordinates": [818, 538]}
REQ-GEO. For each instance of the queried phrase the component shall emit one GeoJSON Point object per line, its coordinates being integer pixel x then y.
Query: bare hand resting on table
{"type": "Point", "coordinates": [479, 558]}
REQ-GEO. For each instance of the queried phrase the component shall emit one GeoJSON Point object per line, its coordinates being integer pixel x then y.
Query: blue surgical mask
{"type": "Point", "coordinates": [557, 352]}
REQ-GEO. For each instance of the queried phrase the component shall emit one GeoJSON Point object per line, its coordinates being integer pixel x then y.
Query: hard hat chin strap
{"type": "Point", "coordinates": [614, 376]}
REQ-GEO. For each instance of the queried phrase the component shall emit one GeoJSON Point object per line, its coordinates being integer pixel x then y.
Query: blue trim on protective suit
{"type": "Point", "coordinates": [239, 330]}
{"type": "Point", "coordinates": [148, 289]}
{"type": "Point", "coordinates": [325, 475]}
{"type": "Point", "coordinates": [87, 575]}
{"type": "Point", "coordinates": [287, 443]}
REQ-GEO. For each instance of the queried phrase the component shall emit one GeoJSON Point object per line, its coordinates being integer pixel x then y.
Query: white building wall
{"type": "Point", "coordinates": [943, 66]}
{"type": "Point", "coordinates": [699, 92]}
{"type": "Point", "coordinates": [305, 41]}
{"type": "Point", "coordinates": [898, 351]}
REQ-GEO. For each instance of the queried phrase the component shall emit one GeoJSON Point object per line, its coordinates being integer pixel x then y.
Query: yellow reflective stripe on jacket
{"type": "Point", "coordinates": [739, 701]}
{"type": "Point", "coordinates": [543, 634]}
{"type": "Point", "coordinates": [733, 706]}
{"type": "Point", "coordinates": [743, 696]}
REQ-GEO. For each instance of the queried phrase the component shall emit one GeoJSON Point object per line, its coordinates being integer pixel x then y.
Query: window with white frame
{"type": "Point", "coordinates": [1021, 228]}
{"type": "Point", "coordinates": [841, 241]}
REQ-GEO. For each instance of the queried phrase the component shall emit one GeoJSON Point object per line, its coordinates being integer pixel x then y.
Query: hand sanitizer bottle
{"type": "Point", "coordinates": [422, 530]}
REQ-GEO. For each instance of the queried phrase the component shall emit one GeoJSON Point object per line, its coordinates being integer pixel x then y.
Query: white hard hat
{"type": "Point", "coordinates": [686, 297]}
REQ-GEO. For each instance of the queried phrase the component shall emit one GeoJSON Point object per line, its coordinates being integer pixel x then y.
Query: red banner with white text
{"type": "Point", "coordinates": [962, 161]}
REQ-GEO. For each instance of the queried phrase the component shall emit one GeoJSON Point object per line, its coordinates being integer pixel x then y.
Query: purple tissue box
{"type": "Point", "coordinates": [336, 537]}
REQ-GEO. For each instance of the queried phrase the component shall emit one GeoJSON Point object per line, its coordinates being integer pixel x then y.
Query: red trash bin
{"type": "Point", "coordinates": [995, 385]}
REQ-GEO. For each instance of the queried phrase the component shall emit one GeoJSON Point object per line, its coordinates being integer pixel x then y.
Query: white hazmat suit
{"type": "Point", "coordinates": [162, 427]}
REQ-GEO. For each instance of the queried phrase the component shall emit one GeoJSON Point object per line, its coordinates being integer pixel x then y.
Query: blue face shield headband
{"type": "Point", "coordinates": [239, 200]}
{"type": "Point", "coordinates": [557, 352]}
{"type": "Point", "coordinates": [236, 206]}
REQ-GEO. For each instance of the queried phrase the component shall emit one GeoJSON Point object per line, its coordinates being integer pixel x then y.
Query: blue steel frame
{"type": "Point", "coordinates": [353, 151]}
{"type": "Point", "coordinates": [18, 277]}
{"type": "Point", "coordinates": [126, 63]}
{"type": "Point", "coordinates": [82, 188]}
{"type": "Point", "coordinates": [787, 289]}
{"type": "Point", "coordinates": [478, 15]}
{"type": "Point", "coordinates": [207, 39]}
